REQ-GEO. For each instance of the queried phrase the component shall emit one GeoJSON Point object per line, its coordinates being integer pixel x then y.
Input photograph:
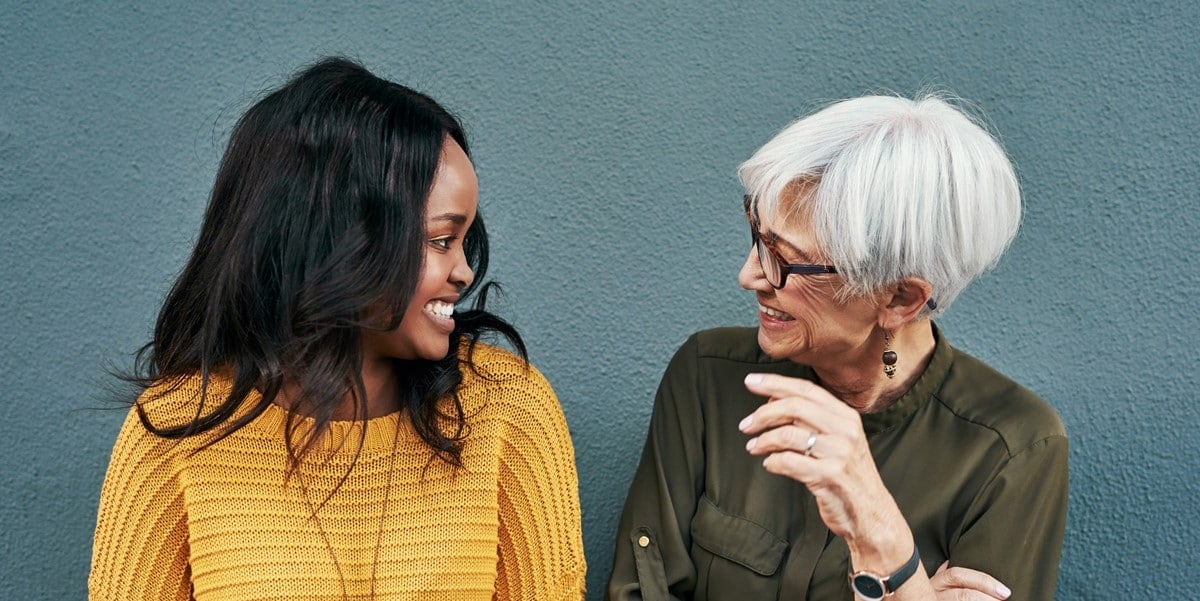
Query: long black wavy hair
{"type": "Point", "coordinates": [316, 221]}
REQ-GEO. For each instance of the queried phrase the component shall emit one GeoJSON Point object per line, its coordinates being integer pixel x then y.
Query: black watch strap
{"type": "Point", "coordinates": [870, 586]}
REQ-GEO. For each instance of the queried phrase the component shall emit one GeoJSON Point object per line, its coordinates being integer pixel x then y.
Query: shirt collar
{"type": "Point", "coordinates": [927, 384]}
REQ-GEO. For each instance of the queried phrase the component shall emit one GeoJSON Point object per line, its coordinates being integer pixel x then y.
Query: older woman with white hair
{"type": "Point", "coordinates": [884, 461]}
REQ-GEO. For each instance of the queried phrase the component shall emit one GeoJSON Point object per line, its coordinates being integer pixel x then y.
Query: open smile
{"type": "Point", "coordinates": [441, 313]}
{"type": "Point", "coordinates": [768, 313]}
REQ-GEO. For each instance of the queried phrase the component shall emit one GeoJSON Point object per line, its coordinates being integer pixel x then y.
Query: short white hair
{"type": "Point", "coordinates": [893, 188]}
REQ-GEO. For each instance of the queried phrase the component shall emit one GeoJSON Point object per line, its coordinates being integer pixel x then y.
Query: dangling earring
{"type": "Point", "coordinates": [889, 356]}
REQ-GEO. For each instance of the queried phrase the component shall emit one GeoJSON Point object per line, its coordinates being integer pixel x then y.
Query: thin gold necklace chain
{"type": "Point", "coordinates": [387, 496]}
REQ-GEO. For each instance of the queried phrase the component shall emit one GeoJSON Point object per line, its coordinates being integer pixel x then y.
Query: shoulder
{"type": "Point", "coordinates": [493, 376]}
{"type": "Point", "coordinates": [493, 361]}
{"type": "Point", "coordinates": [977, 393]}
{"type": "Point", "coordinates": [507, 398]}
{"type": "Point", "coordinates": [176, 402]}
{"type": "Point", "coordinates": [139, 451]}
{"type": "Point", "coordinates": [725, 351]}
{"type": "Point", "coordinates": [727, 344]}
{"type": "Point", "coordinates": [704, 380]}
{"type": "Point", "coordinates": [488, 366]}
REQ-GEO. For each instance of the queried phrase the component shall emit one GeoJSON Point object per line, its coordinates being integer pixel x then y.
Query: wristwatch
{"type": "Point", "coordinates": [872, 587]}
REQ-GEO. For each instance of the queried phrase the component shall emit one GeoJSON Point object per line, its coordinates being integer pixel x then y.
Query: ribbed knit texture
{"type": "Point", "coordinates": [221, 523]}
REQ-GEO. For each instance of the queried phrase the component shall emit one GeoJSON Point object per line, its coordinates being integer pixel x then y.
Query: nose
{"type": "Point", "coordinates": [751, 275]}
{"type": "Point", "coordinates": [462, 275]}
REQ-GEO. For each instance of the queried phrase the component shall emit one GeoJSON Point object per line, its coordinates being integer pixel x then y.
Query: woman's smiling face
{"type": "Point", "coordinates": [424, 332]}
{"type": "Point", "coordinates": [805, 321]}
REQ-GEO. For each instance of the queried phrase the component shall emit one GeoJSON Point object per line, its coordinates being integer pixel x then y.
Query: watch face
{"type": "Point", "coordinates": [868, 587]}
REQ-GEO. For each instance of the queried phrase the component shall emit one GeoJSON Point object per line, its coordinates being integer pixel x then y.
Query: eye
{"type": "Point", "coordinates": [443, 243]}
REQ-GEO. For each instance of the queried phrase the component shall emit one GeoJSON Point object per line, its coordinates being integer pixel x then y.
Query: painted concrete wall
{"type": "Point", "coordinates": [606, 136]}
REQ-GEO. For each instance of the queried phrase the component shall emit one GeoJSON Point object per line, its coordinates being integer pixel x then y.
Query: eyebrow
{"type": "Point", "coordinates": [776, 240]}
{"type": "Point", "coordinates": [455, 218]}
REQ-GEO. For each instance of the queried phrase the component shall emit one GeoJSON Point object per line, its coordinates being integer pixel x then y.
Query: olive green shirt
{"type": "Point", "coordinates": [976, 463]}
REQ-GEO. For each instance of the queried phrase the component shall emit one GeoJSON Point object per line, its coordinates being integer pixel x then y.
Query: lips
{"type": "Point", "coordinates": [774, 314]}
{"type": "Point", "coordinates": [441, 312]}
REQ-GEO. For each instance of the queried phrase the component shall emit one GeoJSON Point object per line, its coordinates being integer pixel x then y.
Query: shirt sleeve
{"type": "Point", "coordinates": [140, 550]}
{"type": "Point", "coordinates": [651, 560]}
{"type": "Point", "coordinates": [1015, 532]}
{"type": "Point", "coordinates": [541, 538]}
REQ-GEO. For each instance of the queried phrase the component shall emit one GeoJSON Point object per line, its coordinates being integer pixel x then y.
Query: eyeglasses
{"type": "Point", "coordinates": [774, 268]}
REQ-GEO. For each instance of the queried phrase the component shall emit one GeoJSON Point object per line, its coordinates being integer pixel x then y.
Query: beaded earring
{"type": "Point", "coordinates": [889, 356]}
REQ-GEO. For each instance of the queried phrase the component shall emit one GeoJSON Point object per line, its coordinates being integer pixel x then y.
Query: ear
{"type": "Point", "coordinates": [903, 301]}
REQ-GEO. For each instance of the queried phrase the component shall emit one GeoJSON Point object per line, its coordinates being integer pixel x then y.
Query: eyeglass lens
{"type": "Point", "coordinates": [772, 270]}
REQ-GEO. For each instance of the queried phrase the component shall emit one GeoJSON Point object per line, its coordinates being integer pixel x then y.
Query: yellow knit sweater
{"type": "Point", "coordinates": [221, 523]}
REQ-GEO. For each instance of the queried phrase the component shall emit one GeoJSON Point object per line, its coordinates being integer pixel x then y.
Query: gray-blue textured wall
{"type": "Point", "coordinates": [606, 135]}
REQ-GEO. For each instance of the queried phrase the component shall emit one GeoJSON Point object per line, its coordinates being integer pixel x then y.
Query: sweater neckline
{"type": "Point", "coordinates": [343, 435]}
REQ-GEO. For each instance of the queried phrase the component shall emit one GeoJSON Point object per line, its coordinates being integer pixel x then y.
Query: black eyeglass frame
{"type": "Point", "coordinates": [766, 249]}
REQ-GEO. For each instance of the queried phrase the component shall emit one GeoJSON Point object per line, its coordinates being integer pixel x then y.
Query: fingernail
{"type": "Point", "coordinates": [750, 444]}
{"type": "Point", "coordinates": [1003, 591]}
{"type": "Point", "coordinates": [745, 423]}
{"type": "Point", "coordinates": [752, 379]}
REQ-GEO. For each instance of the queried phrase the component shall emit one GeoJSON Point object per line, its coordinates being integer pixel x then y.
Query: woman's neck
{"type": "Point", "coordinates": [379, 383]}
{"type": "Point", "coordinates": [862, 383]}
{"type": "Point", "coordinates": [382, 388]}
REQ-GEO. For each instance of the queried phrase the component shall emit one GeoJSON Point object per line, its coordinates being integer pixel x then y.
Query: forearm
{"type": "Point", "coordinates": [650, 557]}
{"type": "Point", "coordinates": [1023, 508]}
{"type": "Point", "coordinates": [882, 546]}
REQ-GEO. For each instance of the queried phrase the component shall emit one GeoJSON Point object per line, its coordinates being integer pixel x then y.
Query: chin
{"type": "Point", "coordinates": [768, 346]}
{"type": "Point", "coordinates": [434, 354]}
{"type": "Point", "coordinates": [778, 350]}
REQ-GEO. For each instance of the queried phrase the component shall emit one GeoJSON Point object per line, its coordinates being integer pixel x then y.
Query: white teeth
{"type": "Point", "coordinates": [773, 313]}
{"type": "Point", "coordinates": [439, 308]}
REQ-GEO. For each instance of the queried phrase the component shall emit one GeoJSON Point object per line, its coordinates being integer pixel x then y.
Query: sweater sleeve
{"type": "Point", "coordinates": [140, 550]}
{"type": "Point", "coordinates": [541, 539]}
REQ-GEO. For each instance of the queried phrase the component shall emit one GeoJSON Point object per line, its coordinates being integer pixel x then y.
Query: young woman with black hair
{"type": "Point", "coordinates": [317, 420]}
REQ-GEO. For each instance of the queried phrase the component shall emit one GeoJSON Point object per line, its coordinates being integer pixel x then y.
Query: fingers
{"type": "Point", "coordinates": [790, 411]}
{"type": "Point", "coordinates": [801, 438]}
{"type": "Point", "coordinates": [965, 583]}
{"type": "Point", "coordinates": [790, 464]}
{"type": "Point", "coordinates": [775, 386]}
{"type": "Point", "coordinates": [801, 423]}
{"type": "Point", "coordinates": [795, 401]}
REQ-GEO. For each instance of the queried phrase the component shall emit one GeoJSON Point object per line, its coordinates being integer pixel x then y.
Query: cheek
{"type": "Point", "coordinates": [805, 299]}
{"type": "Point", "coordinates": [818, 315]}
{"type": "Point", "coordinates": [413, 311]}
{"type": "Point", "coordinates": [427, 283]}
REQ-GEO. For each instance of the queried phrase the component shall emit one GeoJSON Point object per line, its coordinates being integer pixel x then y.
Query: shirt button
{"type": "Point", "coordinates": [644, 541]}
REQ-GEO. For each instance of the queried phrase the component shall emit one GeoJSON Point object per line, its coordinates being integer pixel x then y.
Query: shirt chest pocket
{"type": "Point", "coordinates": [735, 558]}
